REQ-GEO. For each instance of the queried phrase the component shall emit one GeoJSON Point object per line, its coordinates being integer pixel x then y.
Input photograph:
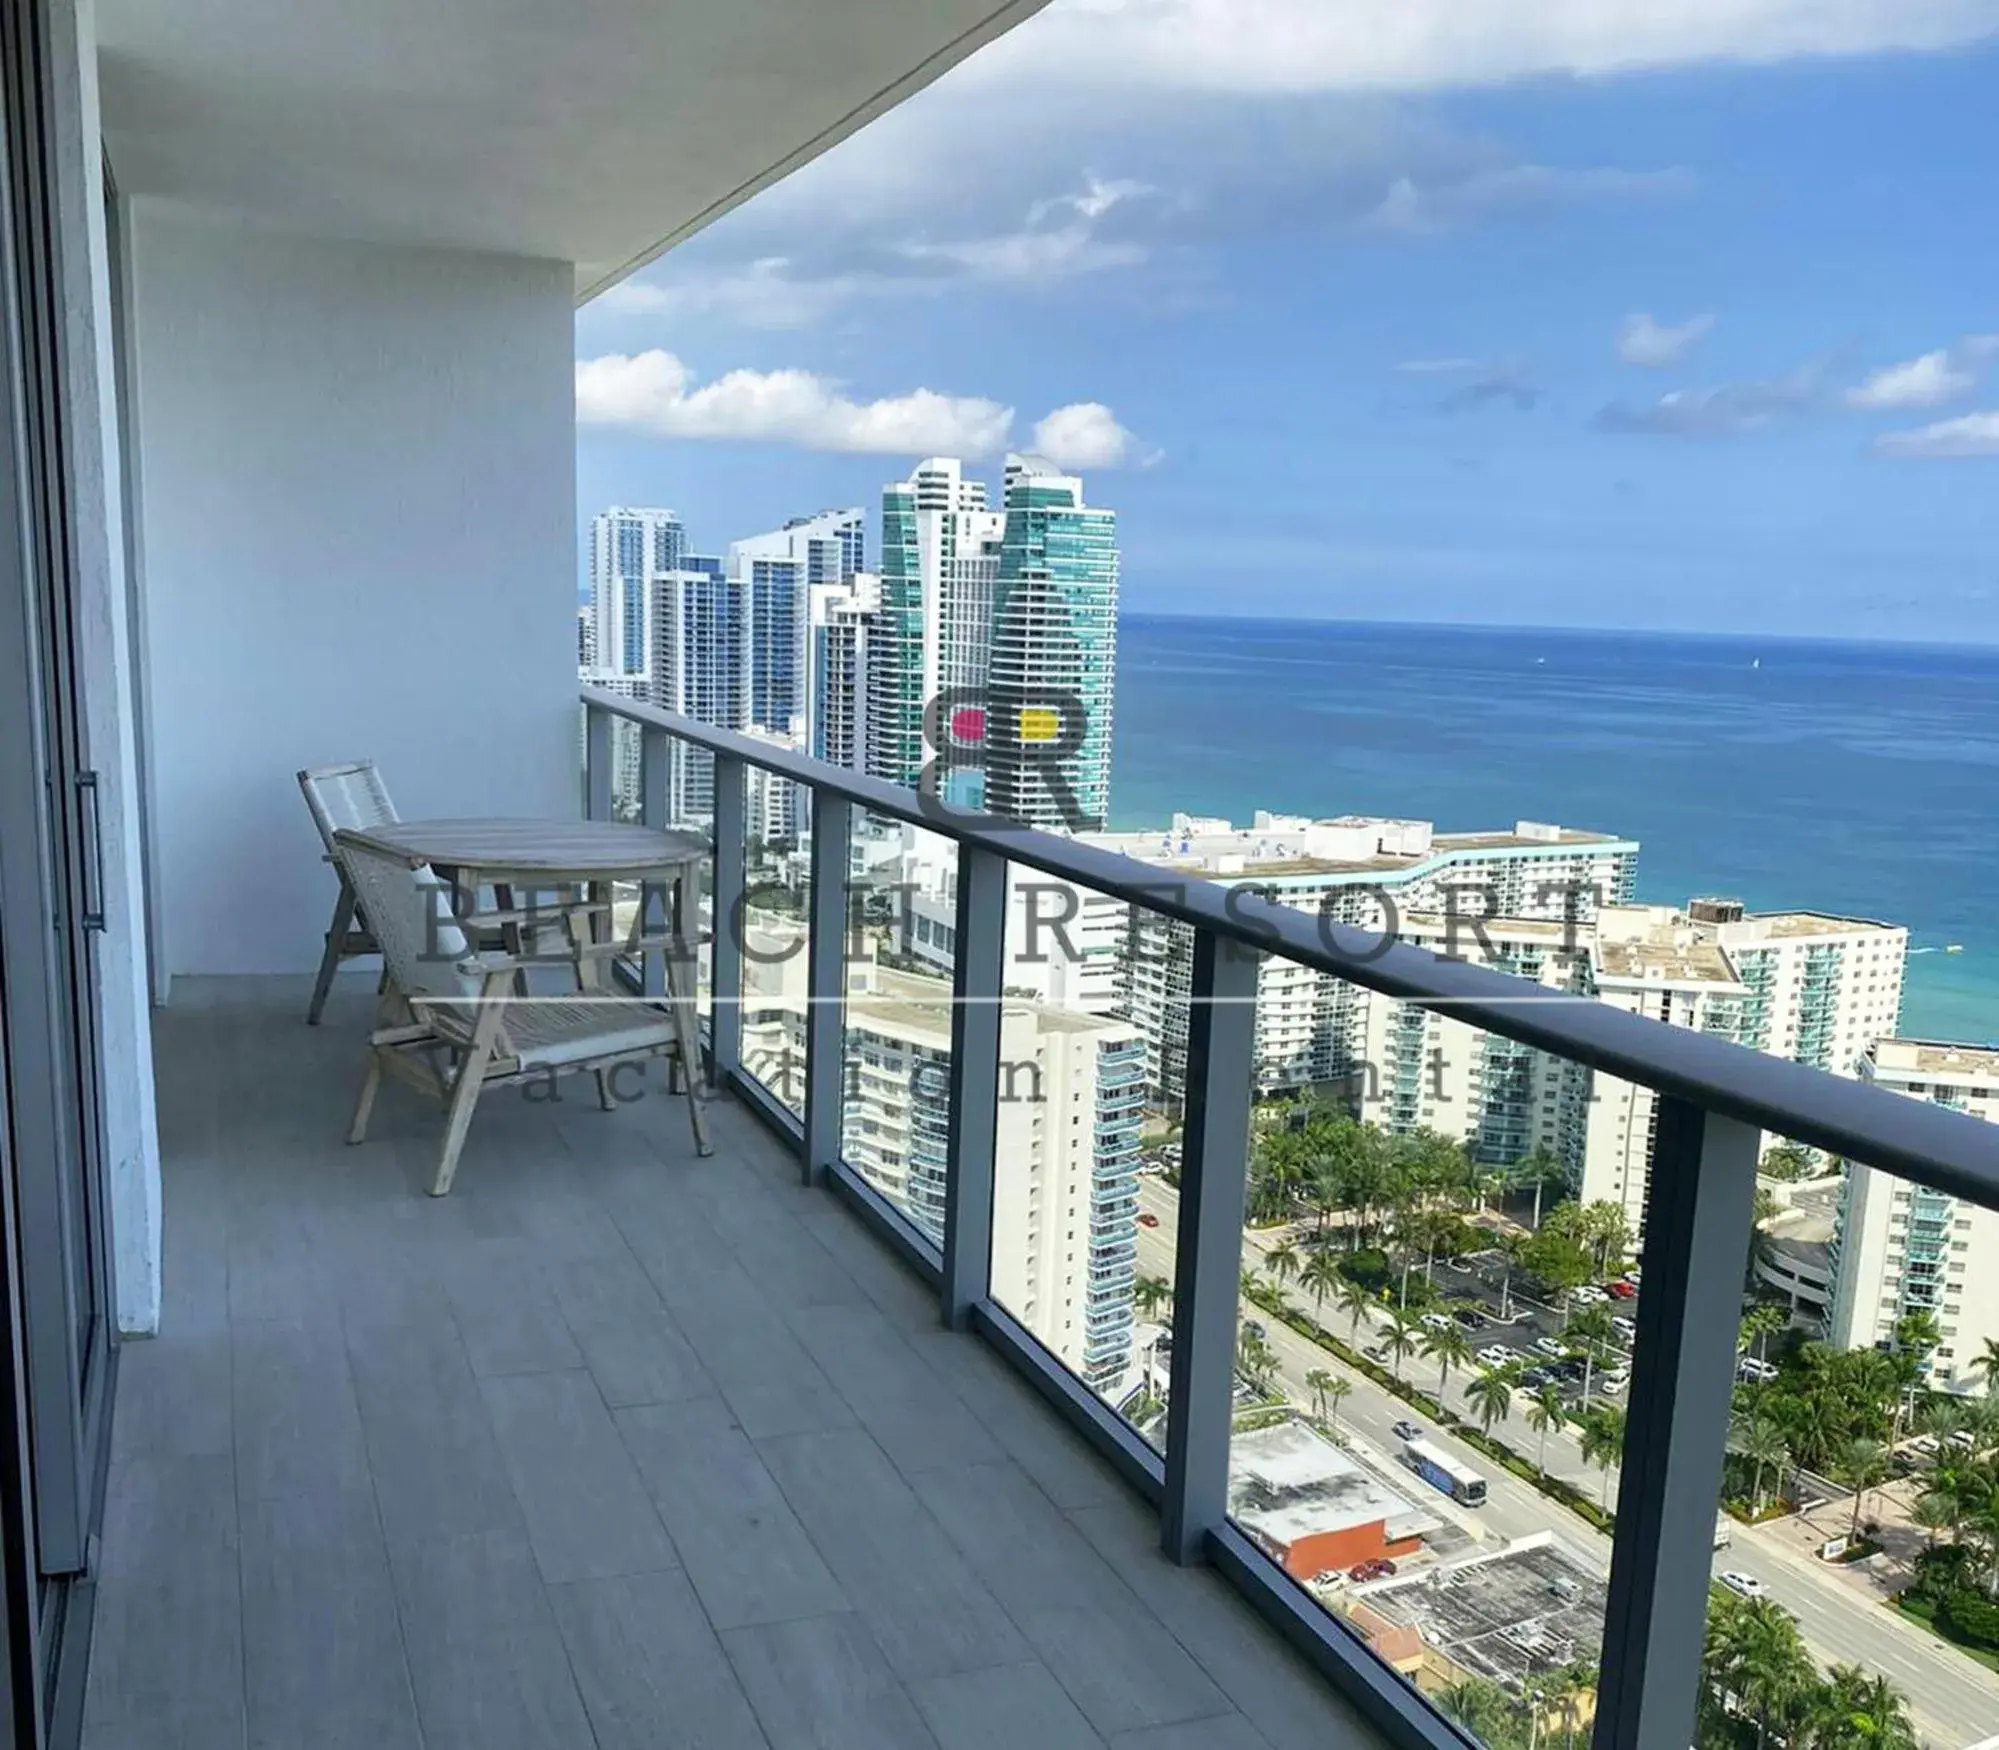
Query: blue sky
{"type": "Point", "coordinates": [1487, 311]}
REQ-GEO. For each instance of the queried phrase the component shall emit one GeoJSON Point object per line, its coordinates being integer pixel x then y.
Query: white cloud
{"type": "Point", "coordinates": [1728, 410]}
{"type": "Point", "coordinates": [1970, 434]}
{"type": "Point", "coordinates": [1413, 207]}
{"type": "Point", "coordinates": [1097, 197]}
{"type": "Point", "coordinates": [1657, 346]}
{"type": "Point", "coordinates": [1028, 255]}
{"type": "Point", "coordinates": [1362, 45]}
{"type": "Point", "coordinates": [1929, 381]}
{"type": "Point", "coordinates": [1086, 434]}
{"type": "Point", "coordinates": [654, 392]}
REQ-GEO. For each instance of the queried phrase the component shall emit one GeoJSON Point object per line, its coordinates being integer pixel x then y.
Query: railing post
{"type": "Point", "coordinates": [655, 765]}
{"type": "Point", "coordinates": [726, 926]}
{"type": "Point", "coordinates": [1221, 1042]}
{"type": "Point", "coordinates": [596, 763]}
{"type": "Point", "coordinates": [1699, 1202]}
{"type": "Point", "coordinates": [826, 981]}
{"type": "Point", "coordinates": [978, 969]}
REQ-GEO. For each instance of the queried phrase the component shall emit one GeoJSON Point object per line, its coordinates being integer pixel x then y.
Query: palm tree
{"type": "Point", "coordinates": [1546, 1414]}
{"type": "Point", "coordinates": [1491, 1395]}
{"type": "Point", "coordinates": [1603, 1445]}
{"type": "Point", "coordinates": [1590, 1330]}
{"type": "Point", "coordinates": [1862, 1466]}
{"type": "Point", "coordinates": [1763, 1444]}
{"type": "Point", "coordinates": [1254, 1358]}
{"type": "Point", "coordinates": [1282, 1263]}
{"type": "Point", "coordinates": [1448, 1348]}
{"type": "Point", "coordinates": [1933, 1511]}
{"type": "Point", "coordinates": [1988, 1363]}
{"type": "Point", "coordinates": [1150, 1293]}
{"type": "Point", "coordinates": [1509, 1247]}
{"type": "Point", "coordinates": [1329, 1390]}
{"type": "Point", "coordinates": [1759, 1324]}
{"type": "Point", "coordinates": [1861, 1711]}
{"type": "Point", "coordinates": [1320, 1277]}
{"type": "Point", "coordinates": [1399, 1337]}
{"type": "Point", "coordinates": [1355, 1300]}
{"type": "Point", "coordinates": [1316, 1383]}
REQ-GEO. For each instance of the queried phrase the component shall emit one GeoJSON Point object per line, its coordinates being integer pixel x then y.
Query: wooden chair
{"type": "Point", "coordinates": [463, 1006]}
{"type": "Point", "coordinates": [350, 795]}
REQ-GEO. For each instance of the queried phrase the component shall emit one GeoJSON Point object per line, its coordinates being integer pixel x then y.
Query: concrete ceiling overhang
{"type": "Point", "coordinates": [598, 132]}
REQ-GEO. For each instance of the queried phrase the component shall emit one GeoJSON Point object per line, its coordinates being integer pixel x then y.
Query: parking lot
{"type": "Point", "coordinates": [1531, 1335]}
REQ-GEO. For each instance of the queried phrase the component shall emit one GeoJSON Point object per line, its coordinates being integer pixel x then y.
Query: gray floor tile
{"type": "Point", "coordinates": [167, 1644]}
{"type": "Point", "coordinates": [772, 1384]}
{"type": "Point", "coordinates": [1230, 1732]}
{"type": "Point", "coordinates": [174, 1395]}
{"type": "Point", "coordinates": [924, 1605]}
{"type": "Point", "coordinates": [221, 1729]}
{"type": "Point", "coordinates": [1106, 1647]}
{"type": "Point", "coordinates": [629, 1340]}
{"type": "Point", "coordinates": [821, 1683]}
{"type": "Point", "coordinates": [506, 1312]}
{"type": "Point", "coordinates": [588, 1515]}
{"type": "Point", "coordinates": [436, 1464]}
{"type": "Point", "coordinates": [1003, 1709]}
{"type": "Point", "coordinates": [1059, 1461]}
{"type": "Point", "coordinates": [914, 1418]}
{"type": "Point", "coordinates": [650, 1668]}
{"type": "Point", "coordinates": [297, 1428]}
{"type": "Point", "coordinates": [741, 1544]}
{"type": "Point", "coordinates": [486, 1660]}
{"type": "Point", "coordinates": [1289, 1704]}
{"type": "Point", "coordinates": [322, 1648]}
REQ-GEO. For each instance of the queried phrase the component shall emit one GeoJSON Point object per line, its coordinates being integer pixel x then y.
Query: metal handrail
{"type": "Point", "coordinates": [1949, 1151]}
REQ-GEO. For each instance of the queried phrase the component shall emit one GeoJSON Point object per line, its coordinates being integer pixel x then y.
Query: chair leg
{"type": "Point", "coordinates": [604, 1100]}
{"type": "Point", "coordinates": [465, 1092]}
{"type": "Point", "coordinates": [364, 1104]}
{"type": "Point", "coordinates": [329, 962]}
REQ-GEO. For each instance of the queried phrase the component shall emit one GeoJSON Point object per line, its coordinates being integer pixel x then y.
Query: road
{"type": "Point", "coordinates": [1955, 1701]}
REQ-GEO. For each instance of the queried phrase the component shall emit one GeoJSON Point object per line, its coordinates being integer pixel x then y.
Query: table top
{"type": "Point", "coordinates": [585, 849]}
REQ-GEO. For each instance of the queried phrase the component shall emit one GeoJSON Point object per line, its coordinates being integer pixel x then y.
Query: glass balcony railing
{"type": "Point", "coordinates": [1473, 1343]}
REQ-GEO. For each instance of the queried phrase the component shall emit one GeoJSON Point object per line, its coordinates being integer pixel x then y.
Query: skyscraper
{"type": "Point", "coordinates": [697, 663]}
{"type": "Point", "coordinates": [627, 549]}
{"type": "Point", "coordinates": [939, 563]}
{"type": "Point", "coordinates": [841, 640]}
{"type": "Point", "coordinates": [1053, 665]}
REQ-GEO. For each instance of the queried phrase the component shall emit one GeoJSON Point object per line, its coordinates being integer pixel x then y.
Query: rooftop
{"type": "Point", "coordinates": [612, 1445]}
{"type": "Point", "coordinates": [1503, 1615]}
{"type": "Point", "coordinates": [1937, 1057]}
{"type": "Point", "coordinates": [1666, 962]}
{"type": "Point", "coordinates": [1783, 925]}
{"type": "Point", "coordinates": [1287, 1482]}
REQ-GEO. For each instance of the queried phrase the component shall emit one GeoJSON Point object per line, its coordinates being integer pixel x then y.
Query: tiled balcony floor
{"type": "Point", "coordinates": [613, 1446]}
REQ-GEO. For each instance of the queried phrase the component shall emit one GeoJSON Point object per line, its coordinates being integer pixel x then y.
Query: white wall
{"type": "Point", "coordinates": [359, 527]}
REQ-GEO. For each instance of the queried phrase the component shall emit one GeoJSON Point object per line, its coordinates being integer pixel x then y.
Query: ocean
{"type": "Point", "coordinates": [1810, 775]}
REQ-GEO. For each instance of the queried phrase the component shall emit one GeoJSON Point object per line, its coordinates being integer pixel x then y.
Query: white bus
{"type": "Point", "coordinates": [1441, 1471]}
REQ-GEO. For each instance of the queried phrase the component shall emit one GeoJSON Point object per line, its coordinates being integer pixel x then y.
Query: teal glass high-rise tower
{"type": "Point", "coordinates": [1052, 673]}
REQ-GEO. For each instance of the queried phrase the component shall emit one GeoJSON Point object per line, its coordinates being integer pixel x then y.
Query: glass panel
{"type": "Point", "coordinates": [1084, 1223]}
{"type": "Point", "coordinates": [777, 887]}
{"type": "Point", "coordinates": [1855, 1596]}
{"type": "Point", "coordinates": [902, 900]}
{"type": "Point", "coordinates": [1430, 1385]}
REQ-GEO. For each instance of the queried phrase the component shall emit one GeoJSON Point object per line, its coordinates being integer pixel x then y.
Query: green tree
{"type": "Point", "coordinates": [1546, 1414]}
{"type": "Point", "coordinates": [1282, 1264]}
{"type": "Point", "coordinates": [1590, 1332]}
{"type": "Point", "coordinates": [1355, 1300]}
{"type": "Point", "coordinates": [1602, 1437]}
{"type": "Point", "coordinates": [1320, 1277]}
{"type": "Point", "coordinates": [1491, 1395]}
{"type": "Point", "coordinates": [1786, 1160]}
{"type": "Point", "coordinates": [1986, 1364]}
{"type": "Point", "coordinates": [1761, 1444]}
{"type": "Point", "coordinates": [1862, 1466]}
{"type": "Point", "coordinates": [1448, 1347]}
{"type": "Point", "coordinates": [1254, 1359]}
{"type": "Point", "coordinates": [1759, 1324]}
{"type": "Point", "coordinates": [1399, 1336]}
{"type": "Point", "coordinates": [1150, 1293]}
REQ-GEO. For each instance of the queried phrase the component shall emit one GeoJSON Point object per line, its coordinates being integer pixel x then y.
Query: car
{"type": "Point", "coordinates": [1609, 1383]}
{"type": "Point", "coordinates": [1624, 1328]}
{"type": "Point", "coordinates": [1925, 1445]}
{"type": "Point", "coordinates": [1741, 1584]}
{"type": "Point", "coordinates": [1376, 1351]}
{"type": "Point", "coordinates": [1587, 1295]}
{"type": "Point", "coordinates": [1535, 1378]}
{"type": "Point", "coordinates": [1620, 1291]}
{"type": "Point", "coordinates": [1470, 1317]}
{"type": "Point", "coordinates": [1548, 1346]}
{"type": "Point", "coordinates": [1147, 1219]}
{"type": "Point", "coordinates": [1378, 1569]}
{"type": "Point", "coordinates": [1495, 1355]}
{"type": "Point", "coordinates": [1255, 1329]}
{"type": "Point", "coordinates": [1632, 1276]}
{"type": "Point", "coordinates": [1407, 1430]}
{"type": "Point", "coordinates": [1436, 1322]}
{"type": "Point", "coordinates": [1756, 1372]}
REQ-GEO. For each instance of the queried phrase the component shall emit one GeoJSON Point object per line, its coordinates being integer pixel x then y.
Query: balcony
{"type": "Point", "coordinates": [611, 1446]}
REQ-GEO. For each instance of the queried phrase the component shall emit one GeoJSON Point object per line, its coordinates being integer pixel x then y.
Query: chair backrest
{"type": "Point", "coordinates": [350, 795]}
{"type": "Point", "coordinates": [409, 911]}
